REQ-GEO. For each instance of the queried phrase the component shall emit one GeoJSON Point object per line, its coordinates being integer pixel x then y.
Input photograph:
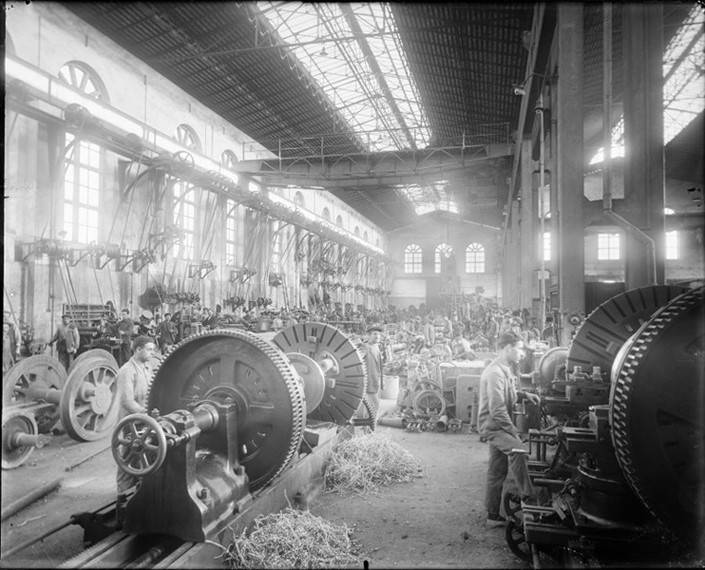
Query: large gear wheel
{"type": "Point", "coordinates": [320, 342]}
{"type": "Point", "coordinates": [656, 414]}
{"type": "Point", "coordinates": [244, 368]}
{"type": "Point", "coordinates": [609, 326]}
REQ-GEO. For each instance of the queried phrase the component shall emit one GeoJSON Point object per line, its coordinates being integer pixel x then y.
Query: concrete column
{"type": "Point", "coordinates": [528, 242]}
{"type": "Point", "coordinates": [644, 182]}
{"type": "Point", "coordinates": [570, 154]}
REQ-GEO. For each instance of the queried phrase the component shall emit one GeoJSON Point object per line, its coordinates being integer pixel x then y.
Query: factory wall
{"type": "Point", "coordinates": [37, 285]}
{"type": "Point", "coordinates": [428, 234]}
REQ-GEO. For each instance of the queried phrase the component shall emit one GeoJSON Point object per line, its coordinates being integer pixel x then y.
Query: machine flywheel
{"type": "Point", "coordinates": [323, 342]}
{"type": "Point", "coordinates": [656, 413]}
{"type": "Point", "coordinates": [242, 368]}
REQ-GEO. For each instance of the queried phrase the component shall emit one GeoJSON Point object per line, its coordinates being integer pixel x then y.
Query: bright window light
{"type": "Point", "coordinates": [608, 246]}
{"type": "Point", "coordinates": [412, 259]}
{"type": "Point", "coordinates": [683, 71]}
{"type": "Point", "coordinates": [672, 245]}
{"type": "Point", "coordinates": [547, 246]}
{"type": "Point", "coordinates": [442, 251]}
{"type": "Point", "coordinates": [475, 258]}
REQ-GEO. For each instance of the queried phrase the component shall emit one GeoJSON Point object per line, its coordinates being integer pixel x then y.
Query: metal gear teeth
{"type": "Point", "coordinates": [624, 384]}
{"type": "Point", "coordinates": [287, 371]}
{"type": "Point", "coordinates": [85, 556]}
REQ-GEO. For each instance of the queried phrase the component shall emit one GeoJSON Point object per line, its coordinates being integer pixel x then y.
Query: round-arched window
{"type": "Point", "coordinates": [187, 136]}
{"type": "Point", "coordinates": [82, 77]}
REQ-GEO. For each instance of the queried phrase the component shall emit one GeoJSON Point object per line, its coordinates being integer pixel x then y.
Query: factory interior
{"type": "Point", "coordinates": [242, 238]}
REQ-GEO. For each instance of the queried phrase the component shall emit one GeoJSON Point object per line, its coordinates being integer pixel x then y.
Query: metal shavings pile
{"type": "Point", "coordinates": [292, 539]}
{"type": "Point", "coordinates": [360, 464]}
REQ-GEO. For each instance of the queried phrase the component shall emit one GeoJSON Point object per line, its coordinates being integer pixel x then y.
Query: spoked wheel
{"type": "Point", "coordinates": [512, 506]}
{"type": "Point", "coordinates": [92, 353]}
{"type": "Point", "coordinates": [516, 540]}
{"type": "Point", "coordinates": [139, 445]}
{"type": "Point", "coordinates": [30, 380]}
{"type": "Point", "coordinates": [90, 403]}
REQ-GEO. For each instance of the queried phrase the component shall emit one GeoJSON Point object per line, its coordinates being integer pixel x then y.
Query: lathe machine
{"type": "Point", "coordinates": [630, 478]}
{"type": "Point", "coordinates": [238, 426]}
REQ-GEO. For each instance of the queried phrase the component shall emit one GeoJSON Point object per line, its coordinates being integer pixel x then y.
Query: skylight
{"type": "Point", "coordinates": [683, 71]}
{"type": "Point", "coordinates": [355, 56]}
{"type": "Point", "coordinates": [356, 59]}
{"type": "Point", "coordinates": [430, 197]}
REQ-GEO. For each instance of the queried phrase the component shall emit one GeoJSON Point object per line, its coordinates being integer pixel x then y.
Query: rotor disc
{"type": "Point", "coordinates": [90, 404]}
{"type": "Point", "coordinates": [609, 326]}
{"type": "Point", "coordinates": [243, 367]}
{"type": "Point", "coordinates": [30, 377]}
{"type": "Point", "coordinates": [656, 413]}
{"type": "Point", "coordinates": [319, 341]}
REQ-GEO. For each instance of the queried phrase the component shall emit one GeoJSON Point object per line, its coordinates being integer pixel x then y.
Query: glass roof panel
{"type": "Point", "coordinates": [357, 60]}
{"type": "Point", "coordinates": [683, 71]}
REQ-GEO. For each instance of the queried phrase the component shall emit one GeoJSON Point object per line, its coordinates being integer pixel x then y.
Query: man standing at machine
{"type": "Point", "coordinates": [498, 395]}
{"type": "Point", "coordinates": [133, 386]}
{"type": "Point", "coordinates": [67, 341]}
{"type": "Point", "coordinates": [373, 361]}
{"type": "Point", "coordinates": [125, 328]}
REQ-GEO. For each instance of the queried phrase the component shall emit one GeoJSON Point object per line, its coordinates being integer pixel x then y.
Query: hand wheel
{"type": "Point", "coordinates": [139, 445]}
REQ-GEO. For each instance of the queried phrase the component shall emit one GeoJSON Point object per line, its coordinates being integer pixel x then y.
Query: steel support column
{"type": "Point", "coordinates": [644, 182]}
{"type": "Point", "coordinates": [570, 153]}
{"type": "Point", "coordinates": [528, 242]}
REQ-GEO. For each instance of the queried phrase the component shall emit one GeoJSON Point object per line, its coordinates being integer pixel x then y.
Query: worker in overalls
{"type": "Point", "coordinates": [133, 387]}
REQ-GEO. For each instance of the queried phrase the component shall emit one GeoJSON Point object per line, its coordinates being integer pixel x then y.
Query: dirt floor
{"type": "Point", "coordinates": [435, 521]}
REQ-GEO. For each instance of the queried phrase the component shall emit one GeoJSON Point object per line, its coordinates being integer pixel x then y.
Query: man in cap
{"type": "Point", "coordinates": [67, 340]}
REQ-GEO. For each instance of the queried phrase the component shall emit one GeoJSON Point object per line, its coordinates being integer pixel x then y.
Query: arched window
{"type": "Point", "coordinates": [326, 214]}
{"type": "Point", "coordinates": [357, 231]}
{"type": "Point", "coordinates": [187, 136]}
{"type": "Point", "coordinates": [443, 250]}
{"type": "Point", "coordinates": [365, 237]}
{"type": "Point", "coordinates": [83, 165]}
{"type": "Point", "coordinates": [475, 258]}
{"type": "Point", "coordinates": [82, 77]}
{"type": "Point", "coordinates": [228, 159]}
{"type": "Point", "coordinates": [299, 200]}
{"type": "Point", "coordinates": [339, 221]}
{"type": "Point", "coordinates": [412, 258]}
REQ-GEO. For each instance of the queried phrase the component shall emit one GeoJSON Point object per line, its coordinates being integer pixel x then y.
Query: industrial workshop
{"type": "Point", "coordinates": [353, 285]}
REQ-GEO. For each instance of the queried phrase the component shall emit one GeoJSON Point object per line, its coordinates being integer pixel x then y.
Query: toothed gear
{"type": "Point", "coordinates": [318, 341]}
{"type": "Point", "coordinates": [85, 556]}
{"type": "Point", "coordinates": [656, 414]}
{"type": "Point", "coordinates": [219, 364]}
{"type": "Point", "coordinates": [609, 326]}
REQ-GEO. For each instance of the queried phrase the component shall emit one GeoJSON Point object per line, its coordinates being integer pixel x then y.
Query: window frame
{"type": "Point", "coordinates": [413, 259]}
{"type": "Point", "coordinates": [472, 265]}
